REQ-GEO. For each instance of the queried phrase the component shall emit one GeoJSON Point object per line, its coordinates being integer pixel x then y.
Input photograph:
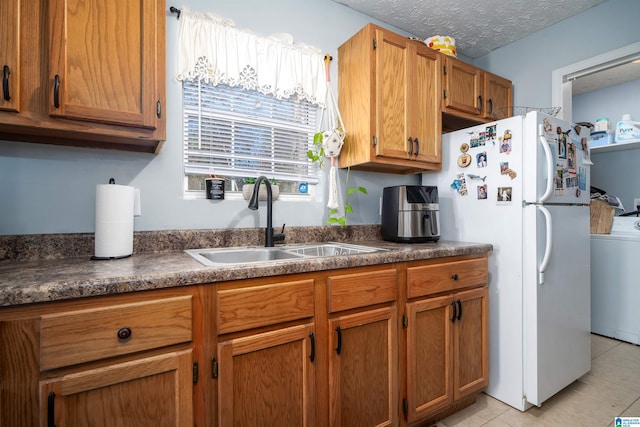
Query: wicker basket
{"type": "Point", "coordinates": [601, 217]}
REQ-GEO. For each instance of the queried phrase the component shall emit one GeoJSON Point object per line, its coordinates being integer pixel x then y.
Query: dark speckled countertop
{"type": "Point", "coordinates": [45, 277]}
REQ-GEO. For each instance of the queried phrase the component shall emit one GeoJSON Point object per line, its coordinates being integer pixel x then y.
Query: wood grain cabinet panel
{"type": "Point", "coordinates": [474, 94]}
{"type": "Point", "coordinates": [69, 338]}
{"type": "Point", "coordinates": [389, 98]}
{"type": "Point", "coordinates": [447, 276]}
{"type": "Point", "coordinates": [150, 391]}
{"type": "Point", "coordinates": [89, 73]}
{"type": "Point", "coordinates": [10, 30]}
{"type": "Point", "coordinates": [254, 306]}
{"type": "Point", "coordinates": [361, 289]}
{"type": "Point", "coordinates": [268, 379]}
{"type": "Point", "coordinates": [363, 364]}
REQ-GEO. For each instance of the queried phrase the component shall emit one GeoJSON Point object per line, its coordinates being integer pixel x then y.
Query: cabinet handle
{"type": "Point", "coordinates": [490, 102]}
{"type": "Point", "coordinates": [453, 308]}
{"type": "Point", "coordinates": [51, 400]}
{"type": "Point", "coordinates": [339, 346]}
{"type": "Point", "coordinates": [312, 356]}
{"type": "Point", "coordinates": [480, 103]}
{"type": "Point", "coordinates": [5, 83]}
{"type": "Point", "coordinates": [56, 91]}
{"type": "Point", "coordinates": [417, 147]}
{"type": "Point", "coordinates": [124, 333]}
{"type": "Point", "coordinates": [459, 304]}
{"type": "Point", "coordinates": [410, 146]}
{"type": "Point", "coordinates": [158, 109]}
{"type": "Point", "coordinates": [454, 277]}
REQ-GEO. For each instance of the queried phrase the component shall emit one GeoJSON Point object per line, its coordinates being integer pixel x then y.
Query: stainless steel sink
{"type": "Point", "coordinates": [227, 256]}
{"type": "Point", "coordinates": [330, 249]}
{"type": "Point", "coordinates": [253, 255]}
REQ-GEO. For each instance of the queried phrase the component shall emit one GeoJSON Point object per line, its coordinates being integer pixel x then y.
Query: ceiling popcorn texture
{"type": "Point", "coordinates": [479, 26]}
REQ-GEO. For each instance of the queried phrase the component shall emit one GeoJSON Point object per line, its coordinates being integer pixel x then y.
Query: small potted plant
{"type": "Point", "coordinates": [247, 189]}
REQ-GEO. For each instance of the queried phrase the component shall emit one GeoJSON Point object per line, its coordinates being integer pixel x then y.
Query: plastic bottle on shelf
{"type": "Point", "coordinates": [627, 130]}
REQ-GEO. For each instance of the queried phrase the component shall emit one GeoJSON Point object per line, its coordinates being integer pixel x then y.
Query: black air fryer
{"type": "Point", "coordinates": [410, 214]}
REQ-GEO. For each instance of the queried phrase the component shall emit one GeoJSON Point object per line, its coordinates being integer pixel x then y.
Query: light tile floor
{"type": "Point", "coordinates": [611, 389]}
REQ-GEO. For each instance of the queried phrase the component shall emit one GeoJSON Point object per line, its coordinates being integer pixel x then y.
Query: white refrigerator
{"type": "Point", "coordinates": [522, 184]}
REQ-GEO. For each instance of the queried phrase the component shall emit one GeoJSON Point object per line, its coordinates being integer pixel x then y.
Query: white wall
{"type": "Point", "coordinates": [50, 189]}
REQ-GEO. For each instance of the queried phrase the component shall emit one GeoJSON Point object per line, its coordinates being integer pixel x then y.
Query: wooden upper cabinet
{"type": "Point", "coordinates": [10, 54]}
{"type": "Point", "coordinates": [462, 87]}
{"type": "Point", "coordinates": [103, 61]}
{"type": "Point", "coordinates": [86, 73]}
{"type": "Point", "coordinates": [472, 93]}
{"type": "Point", "coordinates": [389, 99]}
{"type": "Point", "coordinates": [498, 97]}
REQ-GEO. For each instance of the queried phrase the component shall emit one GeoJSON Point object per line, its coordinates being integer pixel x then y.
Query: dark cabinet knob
{"type": "Point", "coordinates": [454, 277]}
{"type": "Point", "coordinates": [124, 333]}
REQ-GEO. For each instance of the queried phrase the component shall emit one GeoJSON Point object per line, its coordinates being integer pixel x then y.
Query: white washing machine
{"type": "Point", "coordinates": [615, 281]}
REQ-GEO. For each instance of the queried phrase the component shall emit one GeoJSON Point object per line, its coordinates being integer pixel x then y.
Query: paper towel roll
{"type": "Point", "coordinates": [114, 221]}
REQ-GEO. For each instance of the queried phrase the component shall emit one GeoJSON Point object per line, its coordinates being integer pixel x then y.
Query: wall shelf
{"type": "Point", "coordinates": [615, 147]}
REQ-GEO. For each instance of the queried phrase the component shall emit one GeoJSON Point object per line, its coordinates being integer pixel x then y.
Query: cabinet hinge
{"type": "Point", "coordinates": [374, 140]}
{"type": "Point", "coordinates": [405, 407]}
{"type": "Point", "coordinates": [445, 94]}
{"type": "Point", "coordinates": [374, 44]}
{"type": "Point", "coordinates": [444, 70]}
{"type": "Point", "coordinates": [405, 321]}
{"type": "Point", "coordinates": [159, 109]}
{"type": "Point", "coordinates": [195, 372]}
{"type": "Point", "coordinates": [214, 368]}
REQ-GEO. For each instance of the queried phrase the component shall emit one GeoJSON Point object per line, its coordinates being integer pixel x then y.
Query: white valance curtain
{"type": "Point", "coordinates": [212, 49]}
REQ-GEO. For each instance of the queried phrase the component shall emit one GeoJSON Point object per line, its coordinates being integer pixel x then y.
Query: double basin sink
{"type": "Point", "coordinates": [216, 257]}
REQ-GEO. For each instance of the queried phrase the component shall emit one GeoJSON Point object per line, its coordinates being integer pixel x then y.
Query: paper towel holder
{"type": "Point", "coordinates": [112, 181]}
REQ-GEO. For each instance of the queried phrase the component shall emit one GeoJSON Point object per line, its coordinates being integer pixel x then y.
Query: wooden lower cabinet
{"type": "Point", "coordinates": [150, 391]}
{"type": "Point", "coordinates": [363, 368]}
{"type": "Point", "coordinates": [268, 379]}
{"type": "Point", "coordinates": [447, 351]}
{"type": "Point", "coordinates": [386, 345]}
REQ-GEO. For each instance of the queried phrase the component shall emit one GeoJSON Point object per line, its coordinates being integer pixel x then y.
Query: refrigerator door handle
{"type": "Point", "coordinates": [547, 248]}
{"type": "Point", "coordinates": [549, 161]}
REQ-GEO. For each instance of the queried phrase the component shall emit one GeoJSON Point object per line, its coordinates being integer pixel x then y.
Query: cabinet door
{"type": "Point", "coordinates": [462, 86]}
{"type": "Point", "coordinates": [104, 61]}
{"type": "Point", "coordinates": [151, 391]}
{"type": "Point", "coordinates": [426, 124]}
{"type": "Point", "coordinates": [362, 369]}
{"type": "Point", "coordinates": [268, 379]}
{"type": "Point", "coordinates": [471, 341]}
{"type": "Point", "coordinates": [429, 347]}
{"type": "Point", "coordinates": [498, 97]}
{"type": "Point", "coordinates": [10, 54]}
{"type": "Point", "coordinates": [391, 115]}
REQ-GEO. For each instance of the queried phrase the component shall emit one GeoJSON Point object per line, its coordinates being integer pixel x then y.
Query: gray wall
{"type": "Point", "coordinates": [47, 189]}
{"type": "Point", "coordinates": [529, 63]}
{"type": "Point", "coordinates": [616, 172]}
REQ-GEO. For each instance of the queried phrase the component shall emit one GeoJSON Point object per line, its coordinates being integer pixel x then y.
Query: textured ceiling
{"type": "Point", "coordinates": [479, 26]}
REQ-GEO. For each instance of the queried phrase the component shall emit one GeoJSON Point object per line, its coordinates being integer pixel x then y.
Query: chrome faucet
{"type": "Point", "coordinates": [270, 237]}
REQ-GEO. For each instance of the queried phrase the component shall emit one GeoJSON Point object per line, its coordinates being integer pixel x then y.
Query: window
{"type": "Point", "coordinates": [239, 134]}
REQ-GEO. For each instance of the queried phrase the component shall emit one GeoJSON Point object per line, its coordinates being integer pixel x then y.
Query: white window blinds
{"type": "Point", "coordinates": [241, 133]}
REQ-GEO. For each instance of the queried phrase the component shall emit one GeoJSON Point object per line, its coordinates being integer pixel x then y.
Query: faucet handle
{"type": "Point", "coordinates": [279, 237]}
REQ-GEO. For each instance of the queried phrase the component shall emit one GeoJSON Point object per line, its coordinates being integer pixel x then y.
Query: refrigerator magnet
{"type": "Point", "coordinates": [464, 160]}
{"type": "Point", "coordinates": [482, 192]}
{"type": "Point", "coordinates": [505, 145]}
{"type": "Point", "coordinates": [490, 134]}
{"type": "Point", "coordinates": [481, 159]}
{"type": "Point", "coordinates": [504, 195]}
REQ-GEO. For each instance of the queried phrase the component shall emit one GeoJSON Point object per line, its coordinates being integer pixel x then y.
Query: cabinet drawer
{"type": "Point", "coordinates": [443, 277]}
{"type": "Point", "coordinates": [255, 306]}
{"type": "Point", "coordinates": [80, 336]}
{"type": "Point", "coordinates": [355, 290]}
